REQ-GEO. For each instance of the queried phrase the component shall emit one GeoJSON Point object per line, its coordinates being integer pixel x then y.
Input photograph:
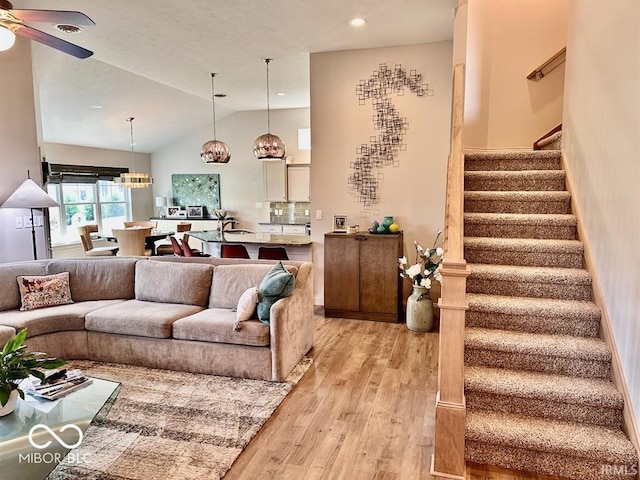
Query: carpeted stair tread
{"type": "Point", "coordinates": [510, 180]}
{"type": "Point", "coordinates": [518, 225]}
{"type": "Point", "coordinates": [512, 160]}
{"type": "Point", "coordinates": [552, 142]}
{"type": "Point", "coordinates": [524, 202]}
{"type": "Point", "coordinates": [552, 388]}
{"type": "Point", "coordinates": [544, 246]}
{"type": "Point", "coordinates": [568, 439]}
{"type": "Point", "coordinates": [539, 344]}
{"type": "Point", "coordinates": [516, 273]}
{"type": "Point", "coordinates": [524, 251]}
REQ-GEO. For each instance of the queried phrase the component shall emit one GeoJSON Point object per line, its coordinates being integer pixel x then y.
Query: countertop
{"type": "Point", "coordinates": [282, 223]}
{"type": "Point", "coordinates": [256, 238]}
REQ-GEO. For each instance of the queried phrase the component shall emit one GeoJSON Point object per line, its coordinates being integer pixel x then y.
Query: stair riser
{"type": "Point", "coordinates": [559, 232]}
{"type": "Point", "coordinates": [476, 284]}
{"type": "Point", "coordinates": [533, 324]}
{"type": "Point", "coordinates": [545, 408]}
{"type": "Point", "coordinates": [514, 206]}
{"type": "Point", "coordinates": [531, 362]}
{"type": "Point", "coordinates": [522, 183]}
{"type": "Point", "coordinates": [525, 259]}
{"type": "Point", "coordinates": [512, 165]}
{"type": "Point", "coordinates": [547, 463]}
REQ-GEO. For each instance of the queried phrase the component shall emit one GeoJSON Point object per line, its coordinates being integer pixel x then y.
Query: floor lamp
{"type": "Point", "coordinates": [30, 195]}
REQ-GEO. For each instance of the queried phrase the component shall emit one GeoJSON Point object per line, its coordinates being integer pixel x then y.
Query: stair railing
{"type": "Point", "coordinates": [554, 62]}
{"type": "Point", "coordinates": [448, 458]}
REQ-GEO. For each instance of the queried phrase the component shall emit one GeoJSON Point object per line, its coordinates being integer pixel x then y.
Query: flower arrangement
{"type": "Point", "coordinates": [427, 266]}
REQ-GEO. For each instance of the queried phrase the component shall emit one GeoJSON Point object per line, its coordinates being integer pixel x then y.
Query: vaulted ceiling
{"type": "Point", "coordinates": [152, 60]}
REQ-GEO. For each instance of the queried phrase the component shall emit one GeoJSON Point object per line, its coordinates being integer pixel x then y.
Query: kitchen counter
{"type": "Point", "coordinates": [298, 246]}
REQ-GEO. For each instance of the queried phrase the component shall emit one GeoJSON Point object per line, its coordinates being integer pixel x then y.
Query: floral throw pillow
{"type": "Point", "coordinates": [38, 291]}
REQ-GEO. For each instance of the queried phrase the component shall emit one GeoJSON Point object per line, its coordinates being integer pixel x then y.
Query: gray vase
{"type": "Point", "coordinates": [419, 310]}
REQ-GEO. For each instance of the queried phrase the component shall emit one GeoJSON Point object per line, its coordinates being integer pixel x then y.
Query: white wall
{"type": "Point", "coordinates": [601, 140]}
{"type": "Point", "coordinates": [413, 193]}
{"type": "Point", "coordinates": [18, 149]}
{"type": "Point", "coordinates": [505, 41]}
{"type": "Point", "coordinates": [141, 198]}
{"type": "Point", "coordinates": [241, 184]}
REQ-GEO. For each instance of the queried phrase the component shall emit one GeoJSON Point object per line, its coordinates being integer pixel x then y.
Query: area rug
{"type": "Point", "coordinates": [173, 425]}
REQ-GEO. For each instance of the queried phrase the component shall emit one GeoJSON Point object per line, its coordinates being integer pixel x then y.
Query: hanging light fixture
{"type": "Point", "coordinates": [268, 146]}
{"type": "Point", "coordinates": [133, 179]}
{"type": "Point", "coordinates": [215, 151]}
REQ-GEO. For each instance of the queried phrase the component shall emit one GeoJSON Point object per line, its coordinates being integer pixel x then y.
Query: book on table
{"type": "Point", "coordinates": [59, 383]}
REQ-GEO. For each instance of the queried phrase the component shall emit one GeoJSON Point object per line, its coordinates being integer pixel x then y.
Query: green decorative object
{"type": "Point", "coordinates": [196, 189]}
{"type": "Point", "coordinates": [386, 223]}
{"type": "Point", "coordinates": [381, 229]}
{"type": "Point", "coordinates": [419, 310]}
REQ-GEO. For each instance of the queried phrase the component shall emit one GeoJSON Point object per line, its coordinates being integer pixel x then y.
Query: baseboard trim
{"type": "Point", "coordinates": [629, 424]}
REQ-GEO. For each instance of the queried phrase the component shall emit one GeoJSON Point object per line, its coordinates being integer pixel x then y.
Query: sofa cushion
{"type": "Point", "coordinates": [10, 297]}
{"type": "Point", "coordinates": [5, 334]}
{"type": "Point", "coordinates": [138, 317]}
{"type": "Point", "coordinates": [52, 319]}
{"type": "Point", "coordinates": [165, 282]}
{"type": "Point", "coordinates": [38, 291]}
{"type": "Point", "coordinates": [231, 281]}
{"type": "Point", "coordinates": [277, 284]}
{"type": "Point", "coordinates": [97, 278]}
{"type": "Point", "coordinates": [216, 325]}
{"type": "Point", "coordinates": [246, 306]}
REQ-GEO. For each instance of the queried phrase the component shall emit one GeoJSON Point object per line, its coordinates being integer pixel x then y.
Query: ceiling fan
{"type": "Point", "coordinates": [14, 21]}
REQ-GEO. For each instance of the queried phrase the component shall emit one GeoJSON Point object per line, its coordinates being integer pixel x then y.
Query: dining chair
{"type": "Point", "coordinates": [169, 248]}
{"type": "Point", "coordinates": [190, 252]}
{"type": "Point", "coordinates": [131, 241]}
{"type": "Point", "coordinates": [233, 251]}
{"type": "Point", "coordinates": [141, 223]}
{"type": "Point", "coordinates": [87, 243]}
{"type": "Point", "coordinates": [272, 253]}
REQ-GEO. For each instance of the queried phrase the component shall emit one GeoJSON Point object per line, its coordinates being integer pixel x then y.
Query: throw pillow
{"type": "Point", "coordinates": [38, 291]}
{"type": "Point", "coordinates": [246, 306]}
{"type": "Point", "coordinates": [278, 283]}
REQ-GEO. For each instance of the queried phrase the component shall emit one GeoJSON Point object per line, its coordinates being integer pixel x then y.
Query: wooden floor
{"type": "Point", "coordinates": [364, 410]}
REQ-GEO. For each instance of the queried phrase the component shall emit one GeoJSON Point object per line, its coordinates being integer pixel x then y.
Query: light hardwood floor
{"type": "Point", "coordinates": [364, 410]}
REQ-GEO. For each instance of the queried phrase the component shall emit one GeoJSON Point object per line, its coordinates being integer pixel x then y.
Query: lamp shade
{"type": "Point", "coordinates": [29, 195]}
{"type": "Point", "coordinates": [7, 39]}
{"type": "Point", "coordinates": [161, 201]}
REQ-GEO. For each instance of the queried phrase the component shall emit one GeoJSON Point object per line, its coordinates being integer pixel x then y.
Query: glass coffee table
{"type": "Point", "coordinates": [33, 443]}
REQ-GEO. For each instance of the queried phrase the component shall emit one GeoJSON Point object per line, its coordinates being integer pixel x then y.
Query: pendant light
{"type": "Point", "coordinates": [215, 151]}
{"type": "Point", "coordinates": [133, 179]}
{"type": "Point", "coordinates": [268, 146]}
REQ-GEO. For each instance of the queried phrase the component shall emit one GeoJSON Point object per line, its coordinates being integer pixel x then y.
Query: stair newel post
{"type": "Point", "coordinates": [448, 460]}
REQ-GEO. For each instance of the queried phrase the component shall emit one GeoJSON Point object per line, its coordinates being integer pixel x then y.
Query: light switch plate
{"type": "Point", "coordinates": [318, 214]}
{"type": "Point", "coordinates": [18, 222]}
{"type": "Point", "coordinates": [26, 221]}
{"type": "Point", "coordinates": [258, 204]}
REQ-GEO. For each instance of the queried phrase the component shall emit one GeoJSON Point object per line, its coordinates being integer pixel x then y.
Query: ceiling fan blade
{"type": "Point", "coordinates": [53, 16]}
{"type": "Point", "coordinates": [51, 41]}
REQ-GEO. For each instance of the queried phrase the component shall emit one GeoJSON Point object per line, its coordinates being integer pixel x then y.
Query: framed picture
{"type": "Point", "coordinates": [194, 211]}
{"type": "Point", "coordinates": [174, 212]}
{"type": "Point", "coordinates": [340, 223]}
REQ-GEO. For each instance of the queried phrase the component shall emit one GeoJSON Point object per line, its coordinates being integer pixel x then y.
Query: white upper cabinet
{"type": "Point", "coordinates": [298, 180]}
{"type": "Point", "coordinates": [275, 181]}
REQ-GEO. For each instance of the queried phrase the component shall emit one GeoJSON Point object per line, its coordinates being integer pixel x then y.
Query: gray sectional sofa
{"type": "Point", "coordinates": [164, 312]}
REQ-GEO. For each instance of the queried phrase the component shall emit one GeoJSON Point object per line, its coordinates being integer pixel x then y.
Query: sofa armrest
{"type": "Point", "coordinates": [291, 325]}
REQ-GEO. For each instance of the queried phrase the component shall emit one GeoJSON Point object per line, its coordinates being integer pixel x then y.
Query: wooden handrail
{"type": "Point", "coordinates": [549, 65]}
{"type": "Point", "coordinates": [448, 458]}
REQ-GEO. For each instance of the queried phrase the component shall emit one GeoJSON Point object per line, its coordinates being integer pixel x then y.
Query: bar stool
{"type": "Point", "coordinates": [233, 251]}
{"type": "Point", "coordinates": [272, 253]}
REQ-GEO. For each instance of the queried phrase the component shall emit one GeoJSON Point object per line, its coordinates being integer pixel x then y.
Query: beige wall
{"type": "Point", "coordinates": [601, 140]}
{"type": "Point", "coordinates": [414, 192]}
{"type": "Point", "coordinates": [141, 198]}
{"type": "Point", "coordinates": [19, 148]}
{"type": "Point", "coordinates": [241, 184]}
{"type": "Point", "coordinates": [505, 41]}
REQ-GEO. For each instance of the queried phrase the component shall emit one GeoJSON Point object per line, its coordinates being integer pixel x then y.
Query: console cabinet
{"type": "Point", "coordinates": [361, 276]}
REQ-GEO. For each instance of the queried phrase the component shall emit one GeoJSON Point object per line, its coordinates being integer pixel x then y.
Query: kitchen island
{"type": "Point", "coordinates": [298, 246]}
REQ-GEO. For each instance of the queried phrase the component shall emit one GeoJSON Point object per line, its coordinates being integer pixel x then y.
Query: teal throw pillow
{"type": "Point", "coordinates": [278, 283]}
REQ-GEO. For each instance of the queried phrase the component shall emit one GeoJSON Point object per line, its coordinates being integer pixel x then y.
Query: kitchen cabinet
{"type": "Point", "coordinates": [275, 181]}
{"type": "Point", "coordinates": [294, 230]}
{"type": "Point", "coordinates": [270, 228]}
{"type": "Point", "coordinates": [361, 276]}
{"type": "Point", "coordinates": [298, 180]}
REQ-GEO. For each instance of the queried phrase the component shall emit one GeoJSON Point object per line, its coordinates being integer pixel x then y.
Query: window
{"type": "Point", "coordinates": [104, 203]}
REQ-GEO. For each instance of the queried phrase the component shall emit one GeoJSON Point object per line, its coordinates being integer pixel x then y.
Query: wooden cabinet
{"type": "Point", "coordinates": [361, 276]}
{"type": "Point", "coordinates": [275, 181]}
{"type": "Point", "coordinates": [298, 180]}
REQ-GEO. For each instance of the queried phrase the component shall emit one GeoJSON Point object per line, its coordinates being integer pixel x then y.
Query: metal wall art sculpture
{"type": "Point", "coordinates": [382, 150]}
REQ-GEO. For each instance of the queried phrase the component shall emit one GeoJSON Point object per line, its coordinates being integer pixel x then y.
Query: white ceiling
{"type": "Point", "coordinates": [152, 60]}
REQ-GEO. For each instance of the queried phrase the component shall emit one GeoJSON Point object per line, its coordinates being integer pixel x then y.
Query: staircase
{"type": "Point", "coordinates": [537, 382]}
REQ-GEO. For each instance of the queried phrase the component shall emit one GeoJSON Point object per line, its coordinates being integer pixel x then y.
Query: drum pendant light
{"type": "Point", "coordinates": [214, 151]}
{"type": "Point", "coordinates": [268, 146]}
{"type": "Point", "coordinates": [133, 179]}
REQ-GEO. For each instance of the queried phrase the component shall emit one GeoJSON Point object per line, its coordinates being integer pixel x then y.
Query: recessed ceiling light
{"type": "Point", "coordinates": [96, 107]}
{"type": "Point", "coordinates": [357, 22]}
{"type": "Point", "coordinates": [280, 94]}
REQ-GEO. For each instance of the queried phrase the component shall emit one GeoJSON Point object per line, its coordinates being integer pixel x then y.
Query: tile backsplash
{"type": "Point", "coordinates": [290, 212]}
